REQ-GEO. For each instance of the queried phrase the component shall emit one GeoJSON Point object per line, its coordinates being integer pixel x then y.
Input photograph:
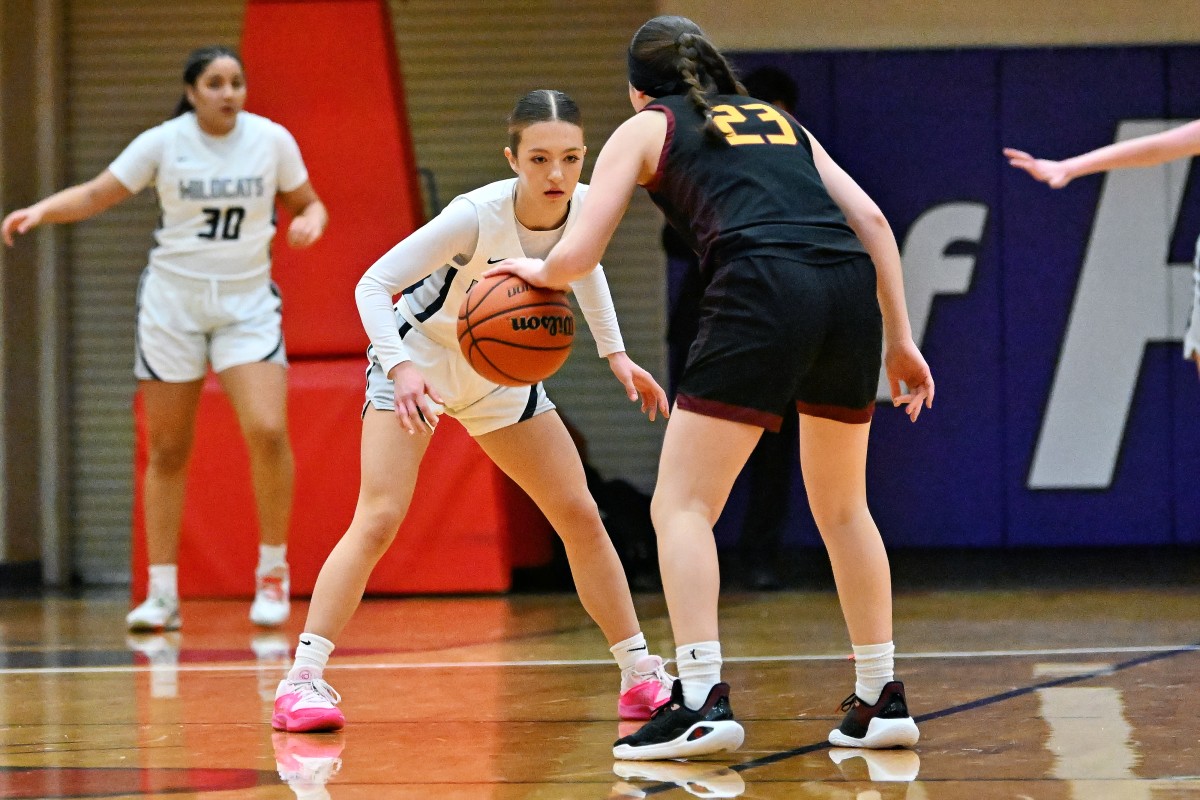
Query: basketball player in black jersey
{"type": "Point", "coordinates": [804, 284]}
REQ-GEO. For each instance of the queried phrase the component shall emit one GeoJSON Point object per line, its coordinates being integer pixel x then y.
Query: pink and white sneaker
{"type": "Point", "coordinates": [649, 686]}
{"type": "Point", "coordinates": [306, 706]}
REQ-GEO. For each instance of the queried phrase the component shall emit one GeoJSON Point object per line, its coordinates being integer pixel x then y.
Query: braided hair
{"type": "Point", "coordinates": [671, 55]}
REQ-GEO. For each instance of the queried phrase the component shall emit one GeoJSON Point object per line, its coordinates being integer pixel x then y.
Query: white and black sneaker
{"type": "Point", "coordinates": [156, 614]}
{"type": "Point", "coordinates": [886, 723]}
{"type": "Point", "coordinates": [676, 731]}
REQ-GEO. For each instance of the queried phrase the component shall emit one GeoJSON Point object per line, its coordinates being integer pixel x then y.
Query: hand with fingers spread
{"type": "Point", "coordinates": [1054, 173]}
{"type": "Point", "coordinates": [414, 409]}
{"type": "Point", "coordinates": [639, 383]}
{"type": "Point", "coordinates": [21, 221]}
{"type": "Point", "coordinates": [905, 364]}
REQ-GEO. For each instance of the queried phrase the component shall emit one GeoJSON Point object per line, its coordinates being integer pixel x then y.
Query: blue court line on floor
{"type": "Point", "coordinates": [982, 702]}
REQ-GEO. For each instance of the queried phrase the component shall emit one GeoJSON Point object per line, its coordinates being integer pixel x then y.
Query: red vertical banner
{"type": "Point", "coordinates": [328, 71]}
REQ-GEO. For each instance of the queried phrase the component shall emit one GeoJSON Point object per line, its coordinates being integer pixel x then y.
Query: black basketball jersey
{"type": "Point", "coordinates": [758, 192]}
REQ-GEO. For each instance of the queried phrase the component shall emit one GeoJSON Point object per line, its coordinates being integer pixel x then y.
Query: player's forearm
{"type": "Point", "coordinates": [596, 303]}
{"type": "Point", "coordinates": [379, 321]}
{"type": "Point", "coordinates": [570, 260]}
{"type": "Point", "coordinates": [876, 235]}
{"type": "Point", "coordinates": [1144, 151]}
{"type": "Point", "coordinates": [70, 205]}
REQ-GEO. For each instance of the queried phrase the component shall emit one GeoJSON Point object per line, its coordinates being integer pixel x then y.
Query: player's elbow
{"type": "Point", "coordinates": [869, 222]}
{"type": "Point", "coordinates": [367, 287]}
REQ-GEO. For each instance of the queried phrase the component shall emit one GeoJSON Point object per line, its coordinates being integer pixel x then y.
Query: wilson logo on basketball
{"type": "Point", "coordinates": [553, 325]}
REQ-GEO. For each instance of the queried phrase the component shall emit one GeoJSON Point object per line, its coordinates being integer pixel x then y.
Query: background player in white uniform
{"type": "Point", "coordinates": [417, 370]}
{"type": "Point", "coordinates": [1144, 151]}
{"type": "Point", "coordinates": [207, 297]}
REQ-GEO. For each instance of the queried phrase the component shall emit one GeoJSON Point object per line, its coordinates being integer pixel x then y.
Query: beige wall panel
{"type": "Point", "coordinates": [124, 61]}
{"type": "Point", "coordinates": [19, 407]}
{"type": "Point", "coordinates": [819, 24]}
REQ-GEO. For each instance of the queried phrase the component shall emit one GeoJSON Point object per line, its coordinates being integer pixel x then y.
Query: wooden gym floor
{"type": "Point", "coordinates": [1023, 693]}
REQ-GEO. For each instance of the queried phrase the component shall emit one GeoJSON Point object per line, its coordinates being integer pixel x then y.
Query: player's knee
{"type": "Point", "coordinates": [572, 506]}
{"type": "Point", "coordinates": [665, 508]}
{"type": "Point", "coordinates": [659, 508]}
{"type": "Point", "coordinates": [169, 454]}
{"type": "Point", "coordinates": [835, 513]}
{"type": "Point", "coordinates": [375, 526]}
{"type": "Point", "coordinates": [266, 435]}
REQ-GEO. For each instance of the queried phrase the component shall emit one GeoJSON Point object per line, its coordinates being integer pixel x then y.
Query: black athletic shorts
{"type": "Point", "coordinates": [777, 334]}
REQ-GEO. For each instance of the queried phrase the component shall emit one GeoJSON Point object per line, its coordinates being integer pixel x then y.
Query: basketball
{"type": "Point", "coordinates": [513, 333]}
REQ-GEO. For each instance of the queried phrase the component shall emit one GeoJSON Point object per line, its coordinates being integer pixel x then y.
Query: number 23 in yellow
{"type": "Point", "coordinates": [728, 117]}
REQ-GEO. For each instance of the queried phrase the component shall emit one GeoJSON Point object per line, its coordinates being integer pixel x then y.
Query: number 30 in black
{"type": "Point", "coordinates": [228, 224]}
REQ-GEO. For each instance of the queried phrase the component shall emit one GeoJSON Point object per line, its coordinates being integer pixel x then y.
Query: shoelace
{"type": "Point", "coordinates": [319, 688]}
{"type": "Point", "coordinates": [271, 586]}
{"type": "Point", "coordinates": [850, 702]}
{"type": "Point", "coordinates": [659, 673]}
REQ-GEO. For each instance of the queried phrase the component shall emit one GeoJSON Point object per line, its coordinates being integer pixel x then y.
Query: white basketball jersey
{"type": "Point", "coordinates": [433, 302]}
{"type": "Point", "coordinates": [216, 193]}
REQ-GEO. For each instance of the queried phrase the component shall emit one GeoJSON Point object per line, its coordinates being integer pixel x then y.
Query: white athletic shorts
{"type": "Point", "coordinates": [184, 324]}
{"type": "Point", "coordinates": [480, 405]}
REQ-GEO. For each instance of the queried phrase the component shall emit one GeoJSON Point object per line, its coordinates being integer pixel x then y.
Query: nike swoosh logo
{"type": "Point", "coordinates": [495, 260]}
{"type": "Point", "coordinates": [307, 643]}
{"type": "Point", "coordinates": [634, 649]}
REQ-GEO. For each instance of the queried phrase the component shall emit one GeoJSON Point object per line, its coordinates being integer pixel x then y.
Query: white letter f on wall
{"type": "Point", "coordinates": [1124, 300]}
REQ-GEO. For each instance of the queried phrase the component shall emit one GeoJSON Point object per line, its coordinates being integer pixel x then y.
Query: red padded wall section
{"type": "Point", "coordinates": [459, 530]}
{"type": "Point", "coordinates": [328, 72]}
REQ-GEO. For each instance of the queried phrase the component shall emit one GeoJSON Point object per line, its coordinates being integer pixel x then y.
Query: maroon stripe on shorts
{"type": "Point", "coordinates": [715, 408]}
{"type": "Point", "coordinates": [854, 416]}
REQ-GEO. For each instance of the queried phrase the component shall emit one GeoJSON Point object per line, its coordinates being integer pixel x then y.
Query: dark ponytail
{"type": "Point", "coordinates": [541, 105]}
{"type": "Point", "coordinates": [197, 62]}
{"type": "Point", "coordinates": [671, 55]}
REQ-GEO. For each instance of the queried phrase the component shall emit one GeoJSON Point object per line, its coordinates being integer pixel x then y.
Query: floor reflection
{"type": "Point", "coordinates": [695, 778]}
{"type": "Point", "coordinates": [1090, 737]}
{"type": "Point", "coordinates": [161, 652]}
{"type": "Point", "coordinates": [308, 761]}
{"type": "Point", "coordinates": [877, 766]}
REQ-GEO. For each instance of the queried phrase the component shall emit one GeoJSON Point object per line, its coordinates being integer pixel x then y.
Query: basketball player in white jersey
{"type": "Point", "coordinates": [207, 298]}
{"type": "Point", "coordinates": [417, 371]}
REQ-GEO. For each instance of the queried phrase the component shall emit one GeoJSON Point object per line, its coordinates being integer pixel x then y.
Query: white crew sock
{"type": "Point", "coordinates": [874, 668]}
{"type": "Point", "coordinates": [629, 651]}
{"type": "Point", "coordinates": [271, 556]}
{"type": "Point", "coordinates": [699, 670]}
{"type": "Point", "coordinates": [164, 581]}
{"type": "Point", "coordinates": [312, 654]}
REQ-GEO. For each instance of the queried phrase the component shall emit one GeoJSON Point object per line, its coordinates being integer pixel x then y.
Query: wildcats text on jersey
{"type": "Point", "coordinates": [222, 188]}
